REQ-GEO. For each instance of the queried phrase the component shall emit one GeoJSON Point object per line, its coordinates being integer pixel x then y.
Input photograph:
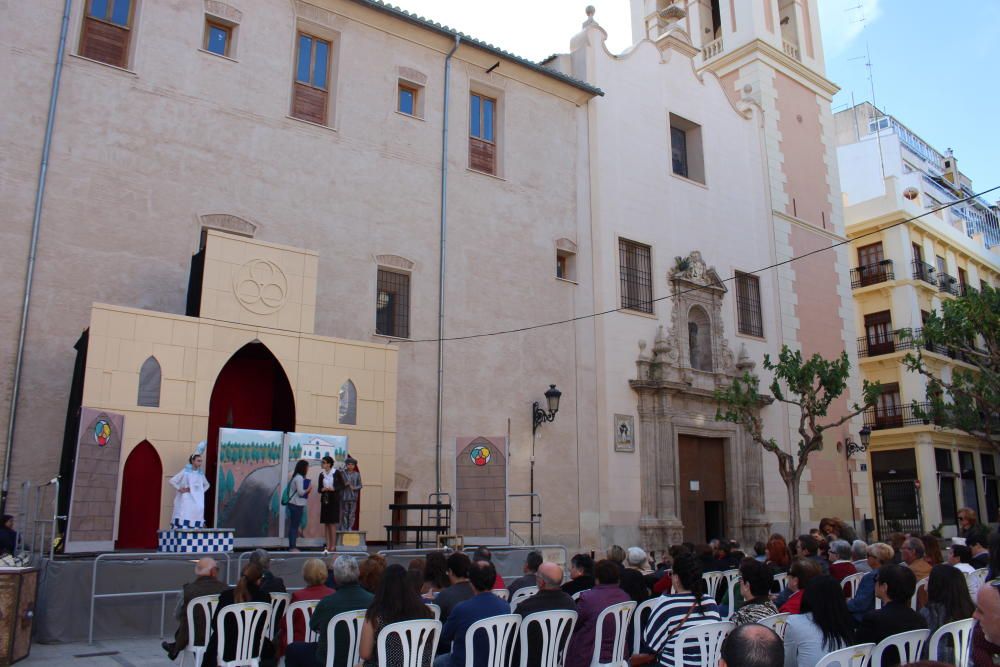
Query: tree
{"type": "Point", "coordinates": [967, 329]}
{"type": "Point", "coordinates": [809, 386]}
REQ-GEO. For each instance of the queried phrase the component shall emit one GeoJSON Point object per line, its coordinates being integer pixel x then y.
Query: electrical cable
{"type": "Point", "coordinates": [695, 289]}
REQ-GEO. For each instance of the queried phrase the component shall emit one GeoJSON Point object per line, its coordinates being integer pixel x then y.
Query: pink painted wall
{"type": "Point", "coordinates": [802, 150]}
{"type": "Point", "coordinates": [768, 15]}
{"type": "Point", "coordinates": [729, 85]}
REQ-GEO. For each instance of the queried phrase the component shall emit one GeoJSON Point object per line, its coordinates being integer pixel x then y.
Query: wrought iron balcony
{"type": "Point", "coordinates": [875, 345]}
{"type": "Point", "coordinates": [924, 271]}
{"type": "Point", "coordinates": [872, 274]}
{"type": "Point", "coordinates": [947, 284]}
{"type": "Point", "coordinates": [896, 416]}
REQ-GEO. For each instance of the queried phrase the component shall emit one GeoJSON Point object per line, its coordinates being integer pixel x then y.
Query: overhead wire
{"type": "Point", "coordinates": [675, 294]}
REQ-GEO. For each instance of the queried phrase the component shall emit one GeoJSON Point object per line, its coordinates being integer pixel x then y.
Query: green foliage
{"type": "Point", "coordinates": [966, 329]}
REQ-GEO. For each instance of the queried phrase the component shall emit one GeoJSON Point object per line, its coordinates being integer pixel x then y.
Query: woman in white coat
{"type": "Point", "coordinates": [189, 503]}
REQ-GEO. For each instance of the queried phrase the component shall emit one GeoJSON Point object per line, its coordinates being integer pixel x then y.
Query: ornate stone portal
{"type": "Point", "coordinates": [675, 388]}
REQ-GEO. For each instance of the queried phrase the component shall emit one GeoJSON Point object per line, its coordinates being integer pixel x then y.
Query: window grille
{"type": "Point", "coordinates": [636, 276]}
{"type": "Point", "coordinates": [392, 306]}
{"type": "Point", "coordinates": [749, 317]}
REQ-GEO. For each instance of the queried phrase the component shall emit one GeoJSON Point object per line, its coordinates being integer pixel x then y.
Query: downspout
{"type": "Point", "coordinates": [441, 265]}
{"type": "Point", "coordinates": [35, 224]}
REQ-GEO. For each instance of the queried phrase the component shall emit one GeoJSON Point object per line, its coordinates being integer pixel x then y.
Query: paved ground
{"type": "Point", "coordinates": [112, 653]}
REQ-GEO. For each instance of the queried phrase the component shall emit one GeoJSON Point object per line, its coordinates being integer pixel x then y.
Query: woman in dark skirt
{"type": "Point", "coordinates": [329, 484]}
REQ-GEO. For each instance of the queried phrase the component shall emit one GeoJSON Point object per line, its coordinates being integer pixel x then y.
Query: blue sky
{"type": "Point", "coordinates": [933, 61]}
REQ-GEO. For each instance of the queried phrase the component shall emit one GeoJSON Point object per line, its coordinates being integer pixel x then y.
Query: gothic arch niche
{"type": "Point", "coordinates": [347, 412]}
{"type": "Point", "coordinates": [699, 339]}
{"type": "Point", "coordinates": [150, 378]}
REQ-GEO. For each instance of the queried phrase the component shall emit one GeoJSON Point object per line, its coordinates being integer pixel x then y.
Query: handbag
{"type": "Point", "coordinates": [286, 494]}
{"type": "Point", "coordinates": [646, 658]}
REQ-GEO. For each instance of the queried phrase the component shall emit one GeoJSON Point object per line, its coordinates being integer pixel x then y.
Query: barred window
{"type": "Point", "coordinates": [392, 305]}
{"type": "Point", "coordinates": [636, 276]}
{"type": "Point", "coordinates": [749, 318]}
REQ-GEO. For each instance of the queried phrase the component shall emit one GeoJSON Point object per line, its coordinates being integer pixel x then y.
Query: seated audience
{"type": "Point", "coordinates": [8, 536]}
{"type": "Point", "coordinates": [581, 574]}
{"type": "Point", "coordinates": [968, 522]}
{"type": "Point", "coordinates": [913, 558]}
{"type": "Point", "coordinates": [808, 547]}
{"type": "Point", "coordinates": [751, 645]}
{"type": "Point", "coordinates": [879, 554]}
{"type": "Point", "coordinates": [824, 624]}
{"type": "Point", "coordinates": [269, 582]}
{"type": "Point", "coordinates": [394, 601]}
{"type": "Point", "coordinates": [896, 542]}
{"type": "Point", "coordinates": [840, 560]}
{"type": "Point", "coordinates": [836, 529]}
{"type": "Point", "coordinates": [894, 587]}
{"type": "Point", "coordinates": [799, 574]}
{"type": "Point", "coordinates": [986, 634]}
{"type": "Point", "coordinates": [314, 574]}
{"type": "Point", "coordinates": [959, 557]}
{"type": "Point", "coordinates": [686, 607]}
{"type": "Point", "coordinates": [978, 543]}
{"type": "Point", "coordinates": [616, 555]}
{"type": "Point", "coordinates": [932, 550]}
{"type": "Point", "coordinates": [248, 589]}
{"type": "Point", "coordinates": [483, 605]}
{"type": "Point", "coordinates": [349, 597]}
{"type": "Point", "coordinates": [662, 584]}
{"type": "Point", "coordinates": [206, 582]}
{"type": "Point", "coordinates": [779, 558]}
{"type": "Point", "coordinates": [859, 556]}
{"type": "Point", "coordinates": [755, 588]}
{"type": "Point", "coordinates": [435, 574]}
{"type": "Point", "coordinates": [632, 580]}
{"type": "Point", "coordinates": [759, 551]}
{"type": "Point", "coordinates": [947, 600]}
{"type": "Point", "coordinates": [459, 589]}
{"type": "Point", "coordinates": [531, 563]}
{"type": "Point", "coordinates": [589, 606]}
{"type": "Point", "coordinates": [485, 555]}
{"type": "Point", "coordinates": [550, 597]}
{"type": "Point", "coordinates": [371, 570]}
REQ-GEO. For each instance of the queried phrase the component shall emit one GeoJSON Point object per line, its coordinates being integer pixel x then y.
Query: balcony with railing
{"type": "Point", "coordinates": [880, 418]}
{"type": "Point", "coordinates": [712, 49]}
{"type": "Point", "coordinates": [791, 50]}
{"type": "Point", "coordinates": [947, 284]}
{"type": "Point", "coordinates": [924, 271]}
{"type": "Point", "coordinates": [872, 274]}
{"type": "Point", "coordinates": [891, 341]}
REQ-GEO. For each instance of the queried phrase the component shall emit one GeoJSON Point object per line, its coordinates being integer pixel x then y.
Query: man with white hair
{"type": "Point", "coordinates": [633, 580]}
{"type": "Point", "coordinates": [206, 582]}
{"type": "Point", "coordinates": [859, 555]}
{"type": "Point", "coordinates": [550, 597]}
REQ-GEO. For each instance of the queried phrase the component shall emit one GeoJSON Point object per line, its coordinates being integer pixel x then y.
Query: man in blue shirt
{"type": "Point", "coordinates": [483, 604]}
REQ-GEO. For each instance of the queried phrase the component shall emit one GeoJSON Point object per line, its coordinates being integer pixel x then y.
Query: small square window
{"type": "Point", "coordinates": [218, 38]}
{"type": "Point", "coordinates": [686, 156]}
{"type": "Point", "coordinates": [407, 100]}
{"type": "Point", "coordinates": [565, 265]}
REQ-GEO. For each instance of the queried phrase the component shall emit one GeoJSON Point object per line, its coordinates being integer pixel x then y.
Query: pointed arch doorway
{"type": "Point", "coordinates": [142, 481]}
{"type": "Point", "coordinates": [252, 392]}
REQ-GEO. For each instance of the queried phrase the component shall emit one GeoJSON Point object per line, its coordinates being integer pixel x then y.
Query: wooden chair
{"type": "Point", "coordinates": [252, 622]}
{"type": "Point", "coordinates": [556, 627]}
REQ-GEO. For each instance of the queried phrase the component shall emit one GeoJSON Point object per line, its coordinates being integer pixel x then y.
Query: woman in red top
{"type": "Point", "coordinates": [314, 572]}
{"type": "Point", "coordinates": [799, 575]}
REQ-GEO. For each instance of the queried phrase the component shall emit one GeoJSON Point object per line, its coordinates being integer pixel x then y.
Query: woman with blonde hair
{"type": "Point", "coordinates": [314, 573]}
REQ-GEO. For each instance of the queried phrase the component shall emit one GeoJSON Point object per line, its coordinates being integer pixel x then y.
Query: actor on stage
{"type": "Point", "coordinates": [329, 483]}
{"type": "Point", "coordinates": [298, 498]}
{"type": "Point", "coordinates": [191, 485]}
{"type": "Point", "coordinates": [349, 494]}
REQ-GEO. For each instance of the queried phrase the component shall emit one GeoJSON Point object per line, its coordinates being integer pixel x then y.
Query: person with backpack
{"type": "Point", "coordinates": [295, 497]}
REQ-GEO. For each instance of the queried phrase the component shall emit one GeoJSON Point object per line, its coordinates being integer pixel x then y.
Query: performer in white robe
{"type": "Point", "coordinates": [191, 485]}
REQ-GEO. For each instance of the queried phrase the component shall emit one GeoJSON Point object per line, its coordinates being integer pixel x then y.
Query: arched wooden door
{"type": "Point", "coordinates": [142, 483]}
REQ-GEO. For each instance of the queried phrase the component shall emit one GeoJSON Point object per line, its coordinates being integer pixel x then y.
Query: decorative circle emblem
{"type": "Point", "coordinates": [480, 455]}
{"type": "Point", "coordinates": [102, 432]}
{"type": "Point", "coordinates": [260, 285]}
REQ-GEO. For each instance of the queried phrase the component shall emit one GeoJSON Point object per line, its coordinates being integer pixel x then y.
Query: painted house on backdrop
{"type": "Point", "coordinates": [713, 156]}
{"type": "Point", "coordinates": [315, 125]}
{"type": "Point", "coordinates": [921, 474]}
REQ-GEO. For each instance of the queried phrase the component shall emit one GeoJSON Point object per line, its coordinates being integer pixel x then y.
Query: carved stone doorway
{"type": "Point", "coordinates": [702, 468]}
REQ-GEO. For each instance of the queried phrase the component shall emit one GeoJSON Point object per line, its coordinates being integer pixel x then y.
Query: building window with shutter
{"type": "Point", "coordinates": [482, 133]}
{"type": "Point", "coordinates": [749, 319]}
{"type": "Point", "coordinates": [310, 98]}
{"type": "Point", "coordinates": [106, 33]}
{"type": "Point", "coordinates": [636, 276]}
{"type": "Point", "coordinates": [392, 304]}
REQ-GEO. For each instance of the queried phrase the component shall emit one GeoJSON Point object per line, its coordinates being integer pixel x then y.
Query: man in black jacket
{"type": "Point", "coordinates": [531, 564]}
{"type": "Point", "coordinates": [581, 573]}
{"type": "Point", "coordinates": [894, 585]}
{"type": "Point", "coordinates": [206, 582]}
{"type": "Point", "coordinates": [548, 598]}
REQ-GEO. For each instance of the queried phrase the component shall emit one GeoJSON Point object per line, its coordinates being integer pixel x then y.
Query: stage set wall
{"type": "Point", "coordinates": [192, 351]}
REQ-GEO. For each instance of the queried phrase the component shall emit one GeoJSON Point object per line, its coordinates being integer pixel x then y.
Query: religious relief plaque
{"type": "Point", "coordinates": [624, 433]}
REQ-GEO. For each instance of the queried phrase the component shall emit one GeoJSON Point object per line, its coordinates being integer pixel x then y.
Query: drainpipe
{"type": "Point", "coordinates": [441, 265]}
{"type": "Point", "coordinates": [35, 224]}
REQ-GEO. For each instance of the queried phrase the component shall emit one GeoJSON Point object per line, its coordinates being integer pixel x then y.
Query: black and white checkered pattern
{"type": "Point", "coordinates": [186, 523]}
{"type": "Point", "coordinates": [195, 541]}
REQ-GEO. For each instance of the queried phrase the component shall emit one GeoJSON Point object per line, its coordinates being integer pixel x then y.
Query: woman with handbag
{"type": "Point", "coordinates": [686, 607]}
{"type": "Point", "coordinates": [329, 484]}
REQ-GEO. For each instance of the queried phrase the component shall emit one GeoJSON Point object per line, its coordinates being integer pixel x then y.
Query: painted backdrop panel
{"type": "Point", "coordinates": [249, 481]}
{"type": "Point", "coordinates": [313, 447]}
{"type": "Point", "coordinates": [95, 477]}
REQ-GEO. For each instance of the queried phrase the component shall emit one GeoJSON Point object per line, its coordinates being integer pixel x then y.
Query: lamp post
{"type": "Point", "coordinates": [538, 417]}
{"type": "Point", "coordinates": [852, 448]}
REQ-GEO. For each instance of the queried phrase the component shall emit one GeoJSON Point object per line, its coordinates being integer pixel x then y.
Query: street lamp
{"type": "Point", "coordinates": [853, 447]}
{"type": "Point", "coordinates": [539, 417]}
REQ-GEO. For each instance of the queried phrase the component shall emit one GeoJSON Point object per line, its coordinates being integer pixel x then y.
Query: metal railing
{"type": "Point", "coordinates": [33, 523]}
{"type": "Point", "coordinates": [163, 593]}
{"type": "Point", "coordinates": [535, 519]}
{"type": "Point", "coordinates": [872, 274]}
{"type": "Point", "coordinates": [285, 556]}
{"type": "Point", "coordinates": [924, 271]}
{"type": "Point", "coordinates": [891, 341]}
{"type": "Point", "coordinates": [897, 416]}
{"type": "Point", "coordinates": [947, 284]}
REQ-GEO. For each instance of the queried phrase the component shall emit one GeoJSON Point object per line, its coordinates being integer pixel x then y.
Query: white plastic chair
{"type": "Point", "coordinates": [501, 636]}
{"type": "Point", "coordinates": [782, 579]}
{"type": "Point", "coordinates": [353, 621]}
{"type": "Point", "coordinates": [418, 638]}
{"type": "Point", "coordinates": [251, 620]}
{"type": "Point", "coordinates": [732, 582]}
{"type": "Point", "coordinates": [777, 622]}
{"type": "Point", "coordinates": [639, 619]}
{"type": "Point", "coordinates": [522, 594]}
{"type": "Point", "coordinates": [707, 637]}
{"type": "Point", "coordinates": [908, 644]}
{"type": "Point", "coordinates": [619, 614]}
{"type": "Point", "coordinates": [279, 602]}
{"type": "Point", "coordinates": [852, 656]}
{"type": "Point", "coordinates": [501, 593]}
{"type": "Point", "coordinates": [979, 576]}
{"type": "Point", "coordinates": [206, 605]}
{"type": "Point", "coordinates": [556, 627]}
{"type": "Point", "coordinates": [712, 582]}
{"type": "Point", "coordinates": [851, 583]}
{"type": "Point", "coordinates": [961, 640]}
{"type": "Point", "coordinates": [576, 596]}
{"type": "Point", "coordinates": [435, 609]}
{"type": "Point", "coordinates": [306, 609]}
{"type": "Point", "coordinates": [916, 592]}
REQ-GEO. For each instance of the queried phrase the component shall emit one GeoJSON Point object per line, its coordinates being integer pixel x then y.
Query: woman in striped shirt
{"type": "Point", "coordinates": [687, 607]}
